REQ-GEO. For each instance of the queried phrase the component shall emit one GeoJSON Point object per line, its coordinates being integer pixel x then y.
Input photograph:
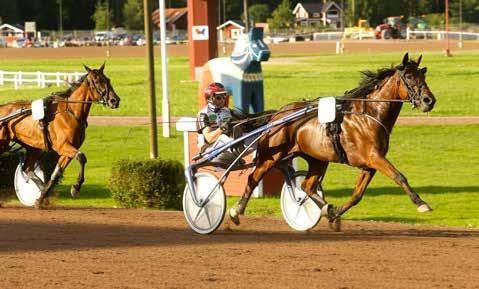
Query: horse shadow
{"type": "Point", "coordinates": [391, 190]}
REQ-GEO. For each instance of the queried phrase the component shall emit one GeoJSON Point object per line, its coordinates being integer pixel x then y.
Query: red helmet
{"type": "Point", "coordinates": [213, 89]}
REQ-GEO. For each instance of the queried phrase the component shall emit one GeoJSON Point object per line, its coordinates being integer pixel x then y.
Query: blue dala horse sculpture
{"type": "Point", "coordinates": [240, 73]}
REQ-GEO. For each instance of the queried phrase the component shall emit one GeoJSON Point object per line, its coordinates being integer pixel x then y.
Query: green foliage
{"type": "Point", "coordinates": [258, 12]}
{"type": "Point", "coordinates": [282, 16]}
{"type": "Point", "coordinates": [147, 184]}
{"type": "Point", "coordinates": [133, 15]}
{"type": "Point", "coordinates": [102, 16]}
{"type": "Point", "coordinates": [435, 19]}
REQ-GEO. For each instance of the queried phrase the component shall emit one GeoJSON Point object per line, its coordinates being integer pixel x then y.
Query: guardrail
{"type": "Point", "coordinates": [441, 34]}
{"type": "Point", "coordinates": [41, 79]}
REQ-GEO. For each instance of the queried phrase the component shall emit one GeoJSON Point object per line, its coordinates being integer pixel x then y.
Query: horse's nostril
{"type": "Point", "coordinates": [426, 100]}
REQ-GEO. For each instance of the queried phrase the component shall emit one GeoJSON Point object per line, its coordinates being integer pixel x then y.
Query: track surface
{"type": "Point", "coordinates": [117, 248]}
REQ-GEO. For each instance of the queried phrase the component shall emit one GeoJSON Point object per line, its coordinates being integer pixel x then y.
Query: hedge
{"type": "Point", "coordinates": [147, 184]}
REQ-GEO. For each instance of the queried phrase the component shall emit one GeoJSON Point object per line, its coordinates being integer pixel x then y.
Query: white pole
{"type": "Point", "coordinates": [164, 73]}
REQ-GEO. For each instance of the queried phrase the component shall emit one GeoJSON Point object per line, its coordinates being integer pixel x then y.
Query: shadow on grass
{"type": "Point", "coordinates": [378, 191]}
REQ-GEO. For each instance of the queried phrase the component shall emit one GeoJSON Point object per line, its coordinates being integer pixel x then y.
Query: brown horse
{"type": "Point", "coordinates": [369, 114]}
{"type": "Point", "coordinates": [65, 123]}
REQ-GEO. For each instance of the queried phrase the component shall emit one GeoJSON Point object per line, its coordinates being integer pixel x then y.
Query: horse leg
{"type": "Point", "coordinates": [75, 189]}
{"type": "Point", "coordinates": [362, 182]}
{"type": "Point", "coordinates": [62, 163]}
{"type": "Point", "coordinates": [31, 158]}
{"type": "Point", "coordinates": [312, 182]}
{"type": "Point", "coordinates": [253, 180]}
{"type": "Point", "coordinates": [386, 168]}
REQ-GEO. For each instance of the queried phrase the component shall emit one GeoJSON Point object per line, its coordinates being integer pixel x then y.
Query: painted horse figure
{"type": "Point", "coordinates": [369, 114]}
{"type": "Point", "coordinates": [240, 73]}
{"type": "Point", "coordinates": [65, 123]}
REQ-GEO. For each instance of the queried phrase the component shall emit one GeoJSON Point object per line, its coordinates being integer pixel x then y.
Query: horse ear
{"type": "Point", "coordinates": [419, 60]}
{"type": "Point", "coordinates": [405, 59]}
{"type": "Point", "coordinates": [88, 69]}
{"type": "Point", "coordinates": [102, 67]}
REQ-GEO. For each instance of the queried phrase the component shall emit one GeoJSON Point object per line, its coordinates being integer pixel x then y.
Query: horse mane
{"type": "Point", "coordinates": [67, 92]}
{"type": "Point", "coordinates": [370, 79]}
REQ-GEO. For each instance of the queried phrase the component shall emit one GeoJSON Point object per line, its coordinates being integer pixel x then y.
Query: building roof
{"type": "Point", "coordinates": [171, 15]}
{"type": "Point", "coordinates": [237, 23]}
{"type": "Point", "coordinates": [15, 28]}
{"type": "Point", "coordinates": [316, 7]}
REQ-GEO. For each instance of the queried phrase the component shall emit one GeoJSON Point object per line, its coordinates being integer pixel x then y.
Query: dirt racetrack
{"type": "Point", "coordinates": [117, 248]}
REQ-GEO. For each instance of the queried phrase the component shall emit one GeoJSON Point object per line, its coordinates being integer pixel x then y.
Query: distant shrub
{"type": "Point", "coordinates": [147, 184]}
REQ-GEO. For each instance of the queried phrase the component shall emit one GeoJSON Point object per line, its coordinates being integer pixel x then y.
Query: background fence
{"type": "Point", "coordinates": [41, 79]}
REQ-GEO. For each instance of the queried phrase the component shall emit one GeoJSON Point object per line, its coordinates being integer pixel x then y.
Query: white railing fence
{"type": "Point", "coordinates": [441, 35]}
{"type": "Point", "coordinates": [41, 79]}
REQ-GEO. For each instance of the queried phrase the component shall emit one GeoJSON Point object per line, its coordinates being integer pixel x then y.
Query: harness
{"type": "Point", "coordinates": [333, 129]}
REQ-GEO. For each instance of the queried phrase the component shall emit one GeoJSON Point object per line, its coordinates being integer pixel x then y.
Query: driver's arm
{"type": "Point", "coordinates": [211, 134]}
{"type": "Point", "coordinates": [204, 127]}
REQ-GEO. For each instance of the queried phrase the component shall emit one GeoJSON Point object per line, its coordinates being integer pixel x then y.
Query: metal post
{"type": "Point", "coordinates": [164, 73]}
{"type": "Point", "coordinates": [246, 18]}
{"type": "Point", "coordinates": [448, 52]}
{"type": "Point", "coordinates": [61, 18]}
{"type": "Point", "coordinates": [460, 24]}
{"type": "Point", "coordinates": [151, 80]}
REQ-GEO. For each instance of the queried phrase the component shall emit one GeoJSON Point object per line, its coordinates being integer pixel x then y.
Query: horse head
{"type": "Point", "coordinates": [413, 85]}
{"type": "Point", "coordinates": [250, 48]}
{"type": "Point", "coordinates": [100, 87]}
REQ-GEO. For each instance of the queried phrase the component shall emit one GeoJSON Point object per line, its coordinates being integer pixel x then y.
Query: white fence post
{"type": "Point", "coordinates": [15, 81]}
{"type": "Point", "coordinates": [39, 79]}
{"type": "Point", "coordinates": [58, 79]}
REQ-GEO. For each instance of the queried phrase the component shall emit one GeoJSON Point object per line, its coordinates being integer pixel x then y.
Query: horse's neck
{"type": "Point", "coordinates": [79, 110]}
{"type": "Point", "coordinates": [386, 112]}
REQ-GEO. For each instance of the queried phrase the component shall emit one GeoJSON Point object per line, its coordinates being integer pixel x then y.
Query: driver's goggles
{"type": "Point", "coordinates": [220, 95]}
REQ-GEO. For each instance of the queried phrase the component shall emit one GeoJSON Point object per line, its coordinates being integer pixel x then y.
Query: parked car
{"type": "Point", "coordinates": [103, 35]}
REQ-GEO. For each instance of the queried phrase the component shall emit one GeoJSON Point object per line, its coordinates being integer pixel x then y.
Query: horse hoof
{"type": "Point", "coordinates": [74, 192]}
{"type": "Point", "coordinates": [39, 205]}
{"type": "Point", "coordinates": [234, 216]}
{"type": "Point", "coordinates": [335, 225]}
{"type": "Point", "coordinates": [424, 208]}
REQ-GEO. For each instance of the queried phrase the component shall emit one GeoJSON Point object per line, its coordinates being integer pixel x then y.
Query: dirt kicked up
{"type": "Point", "coordinates": [117, 248]}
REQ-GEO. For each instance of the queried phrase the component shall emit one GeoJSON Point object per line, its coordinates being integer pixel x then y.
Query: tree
{"type": "Point", "coordinates": [102, 16]}
{"type": "Point", "coordinates": [282, 16]}
{"type": "Point", "coordinates": [133, 15]}
{"type": "Point", "coordinates": [258, 12]}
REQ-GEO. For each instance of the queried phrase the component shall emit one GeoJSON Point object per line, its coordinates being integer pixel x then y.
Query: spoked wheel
{"type": "Point", "coordinates": [27, 190]}
{"type": "Point", "coordinates": [299, 210]}
{"type": "Point", "coordinates": [206, 218]}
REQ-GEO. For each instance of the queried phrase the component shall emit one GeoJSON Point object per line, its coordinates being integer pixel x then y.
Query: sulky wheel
{"type": "Point", "coordinates": [27, 190]}
{"type": "Point", "coordinates": [205, 218]}
{"type": "Point", "coordinates": [299, 211]}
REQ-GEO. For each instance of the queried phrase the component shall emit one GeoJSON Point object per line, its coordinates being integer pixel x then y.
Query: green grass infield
{"type": "Point", "coordinates": [440, 162]}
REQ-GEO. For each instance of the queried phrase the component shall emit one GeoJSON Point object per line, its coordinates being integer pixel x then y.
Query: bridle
{"type": "Point", "coordinates": [102, 93]}
{"type": "Point", "coordinates": [413, 96]}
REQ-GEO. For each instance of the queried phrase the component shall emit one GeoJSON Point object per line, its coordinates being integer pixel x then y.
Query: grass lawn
{"type": "Point", "coordinates": [453, 80]}
{"type": "Point", "coordinates": [440, 162]}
